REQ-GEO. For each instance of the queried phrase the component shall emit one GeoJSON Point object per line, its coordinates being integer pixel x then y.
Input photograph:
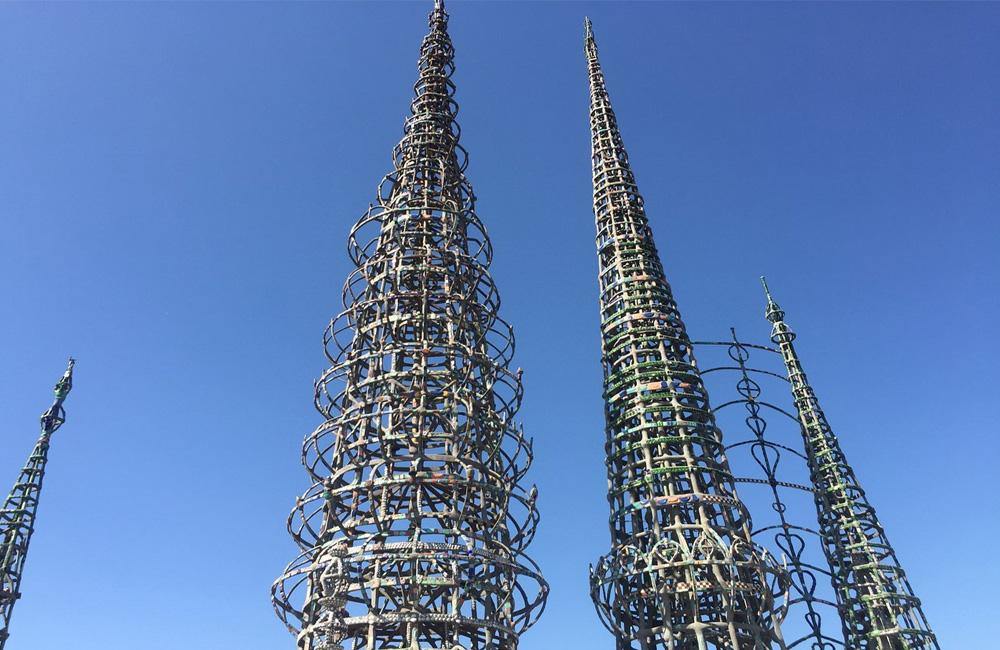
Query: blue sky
{"type": "Point", "coordinates": [176, 186]}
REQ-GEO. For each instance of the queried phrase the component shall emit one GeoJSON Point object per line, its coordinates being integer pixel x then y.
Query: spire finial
{"type": "Point", "coordinates": [438, 14]}
{"type": "Point", "coordinates": [767, 291]}
{"type": "Point", "coordinates": [589, 44]}
{"type": "Point", "coordinates": [773, 312]}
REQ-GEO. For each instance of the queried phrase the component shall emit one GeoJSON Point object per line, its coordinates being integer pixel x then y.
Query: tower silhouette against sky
{"type": "Point", "coordinates": [878, 607]}
{"type": "Point", "coordinates": [682, 572]}
{"type": "Point", "coordinates": [17, 519]}
{"type": "Point", "coordinates": [413, 532]}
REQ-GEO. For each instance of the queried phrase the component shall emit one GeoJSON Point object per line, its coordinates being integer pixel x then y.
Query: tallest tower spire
{"type": "Point", "coordinates": [414, 531]}
{"type": "Point", "coordinates": [682, 573]}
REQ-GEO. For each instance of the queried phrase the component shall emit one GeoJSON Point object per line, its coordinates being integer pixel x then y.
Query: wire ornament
{"type": "Point", "coordinates": [788, 532]}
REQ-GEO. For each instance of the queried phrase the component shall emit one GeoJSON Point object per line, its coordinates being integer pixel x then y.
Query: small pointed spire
{"type": "Point", "coordinates": [19, 510]}
{"type": "Point", "coordinates": [438, 18]}
{"type": "Point", "coordinates": [773, 312]}
{"type": "Point", "coordinates": [767, 291]}
{"type": "Point", "coordinates": [68, 375]}
{"type": "Point", "coordinates": [54, 416]}
{"type": "Point", "coordinates": [872, 589]}
{"type": "Point", "coordinates": [589, 44]}
{"type": "Point", "coordinates": [438, 10]}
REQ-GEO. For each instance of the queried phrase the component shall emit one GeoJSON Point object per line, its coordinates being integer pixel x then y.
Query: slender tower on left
{"type": "Point", "coordinates": [17, 519]}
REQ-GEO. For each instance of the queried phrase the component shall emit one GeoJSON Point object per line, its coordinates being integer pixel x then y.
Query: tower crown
{"type": "Point", "coordinates": [773, 312]}
{"type": "Point", "coordinates": [589, 44]}
{"type": "Point", "coordinates": [54, 416]}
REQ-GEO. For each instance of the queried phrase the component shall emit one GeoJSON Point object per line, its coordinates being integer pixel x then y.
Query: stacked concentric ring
{"type": "Point", "coordinates": [414, 530]}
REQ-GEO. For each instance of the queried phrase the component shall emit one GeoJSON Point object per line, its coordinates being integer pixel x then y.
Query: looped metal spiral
{"type": "Point", "coordinates": [413, 534]}
{"type": "Point", "coordinates": [806, 600]}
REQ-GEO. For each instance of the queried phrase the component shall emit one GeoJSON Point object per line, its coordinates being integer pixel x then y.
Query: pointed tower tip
{"type": "Point", "coordinates": [589, 44]}
{"type": "Point", "coordinates": [438, 16]}
{"type": "Point", "coordinates": [773, 312]}
{"type": "Point", "coordinates": [767, 291]}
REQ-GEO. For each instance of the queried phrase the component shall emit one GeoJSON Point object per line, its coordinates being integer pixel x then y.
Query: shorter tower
{"type": "Point", "coordinates": [17, 519]}
{"type": "Point", "coordinates": [878, 607]}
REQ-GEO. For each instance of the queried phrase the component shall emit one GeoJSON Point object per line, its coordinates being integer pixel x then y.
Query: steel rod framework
{"type": "Point", "coordinates": [683, 572]}
{"type": "Point", "coordinates": [878, 607]}
{"type": "Point", "coordinates": [17, 518]}
{"type": "Point", "coordinates": [413, 533]}
{"type": "Point", "coordinates": [812, 618]}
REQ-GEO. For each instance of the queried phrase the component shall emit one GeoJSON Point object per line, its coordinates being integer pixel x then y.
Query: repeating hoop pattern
{"type": "Point", "coordinates": [414, 531]}
{"type": "Point", "coordinates": [809, 608]}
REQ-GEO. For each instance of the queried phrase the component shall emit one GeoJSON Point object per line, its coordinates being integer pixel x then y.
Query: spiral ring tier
{"type": "Point", "coordinates": [414, 531]}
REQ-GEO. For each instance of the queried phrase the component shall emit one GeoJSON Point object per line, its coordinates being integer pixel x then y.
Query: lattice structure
{"type": "Point", "coordinates": [17, 519]}
{"type": "Point", "coordinates": [878, 607]}
{"type": "Point", "coordinates": [413, 533]}
{"type": "Point", "coordinates": [775, 474]}
{"type": "Point", "coordinates": [683, 572]}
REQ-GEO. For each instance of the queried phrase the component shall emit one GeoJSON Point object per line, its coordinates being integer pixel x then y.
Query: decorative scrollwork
{"type": "Point", "coordinates": [804, 606]}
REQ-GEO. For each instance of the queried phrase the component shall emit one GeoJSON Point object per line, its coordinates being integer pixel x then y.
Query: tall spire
{"type": "Point", "coordinates": [878, 607]}
{"type": "Point", "coordinates": [682, 573]}
{"type": "Point", "coordinates": [17, 518]}
{"type": "Point", "coordinates": [414, 530]}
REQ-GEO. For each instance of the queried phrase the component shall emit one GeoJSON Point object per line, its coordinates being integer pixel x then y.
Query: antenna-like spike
{"type": "Point", "coordinates": [773, 311]}
{"type": "Point", "coordinates": [767, 291]}
{"type": "Point", "coordinates": [589, 43]}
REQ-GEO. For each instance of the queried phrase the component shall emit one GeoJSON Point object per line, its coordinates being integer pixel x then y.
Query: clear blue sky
{"type": "Point", "coordinates": [177, 182]}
